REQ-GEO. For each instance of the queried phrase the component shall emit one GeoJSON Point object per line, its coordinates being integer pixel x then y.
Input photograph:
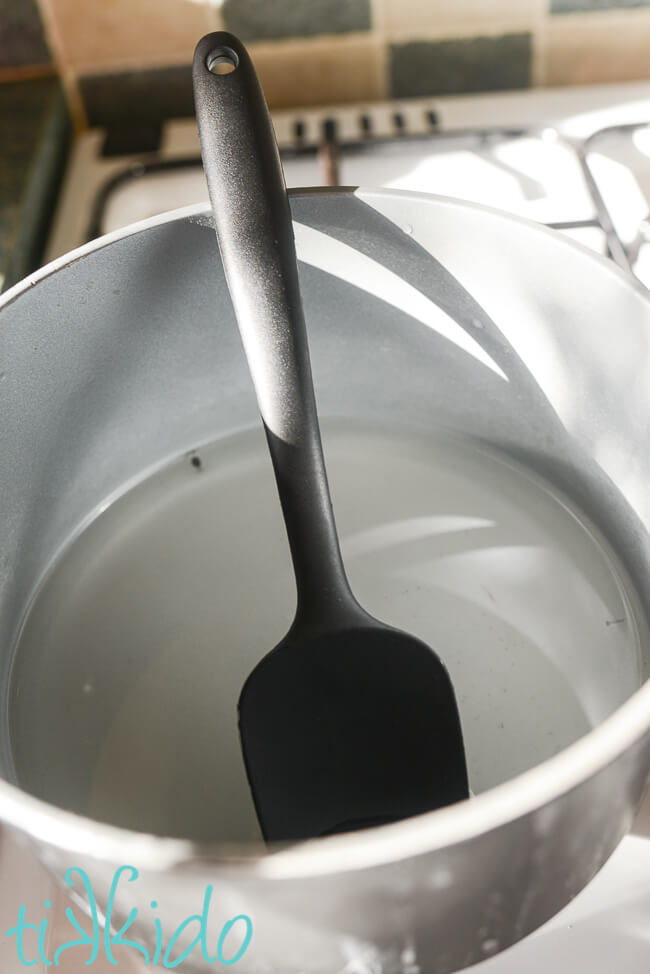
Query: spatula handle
{"type": "Point", "coordinates": [255, 234]}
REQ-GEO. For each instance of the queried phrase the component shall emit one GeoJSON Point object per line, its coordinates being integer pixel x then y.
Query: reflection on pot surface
{"type": "Point", "coordinates": [134, 651]}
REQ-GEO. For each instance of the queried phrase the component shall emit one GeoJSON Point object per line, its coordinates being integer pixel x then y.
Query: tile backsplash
{"type": "Point", "coordinates": [130, 59]}
{"type": "Point", "coordinates": [22, 37]}
{"type": "Point", "coordinates": [256, 20]}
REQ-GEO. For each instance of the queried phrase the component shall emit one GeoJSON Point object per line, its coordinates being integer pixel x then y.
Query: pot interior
{"type": "Point", "coordinates": [484, 424]}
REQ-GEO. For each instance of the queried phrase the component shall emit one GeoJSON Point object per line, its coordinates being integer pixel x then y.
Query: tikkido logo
{"type": "Point", "coordinates": [233, 942]}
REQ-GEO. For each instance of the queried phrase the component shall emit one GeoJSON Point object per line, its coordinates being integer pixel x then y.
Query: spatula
{"type": "Point", "coordinates": [347, 723]}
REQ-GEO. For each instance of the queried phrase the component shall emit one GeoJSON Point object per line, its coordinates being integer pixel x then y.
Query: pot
{"type": "Point", "coordinates": [421, 312]}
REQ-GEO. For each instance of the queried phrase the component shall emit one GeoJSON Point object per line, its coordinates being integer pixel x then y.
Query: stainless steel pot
{"type": "Point", "coordinates": [125, 353]}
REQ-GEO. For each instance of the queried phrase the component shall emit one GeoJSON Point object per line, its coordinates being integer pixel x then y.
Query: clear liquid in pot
{"type": "Point", "coordinates": [132, 656]}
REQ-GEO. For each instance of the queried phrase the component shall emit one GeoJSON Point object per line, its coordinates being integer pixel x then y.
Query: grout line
{"type": "Point", "coordinates": [466, 29]}
{"type": "Point", "coordinates": [382, 76]}
{"type": "Point", "coordinates": [308, 45]}
{"type": "Point", "coordinates": [131, 64]}
{"type": "Point", "coordinates": [378, 18]}
{"type": "Point", "coordinates": [585, 18]}
{"type": "Point", "coordinates": [67, 75]}
{"type": "Point", "coordinates": [27, 72]}
{"type": "Point", "coordinates": [75, 100]}
{"type": "Point", "coordinates": [540, 51]}
{"type": "Point", "coordinates": [348, 39]}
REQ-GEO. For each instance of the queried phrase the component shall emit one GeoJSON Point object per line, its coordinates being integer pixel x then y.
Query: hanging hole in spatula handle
{"type": "Point", "coordinates": [221, 60]}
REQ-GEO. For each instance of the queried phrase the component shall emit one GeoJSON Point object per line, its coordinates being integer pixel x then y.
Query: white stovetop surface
{"type": "Point", "coordinates": [534, 177]}
{"type": "Point", "coordinates": [606, 929]}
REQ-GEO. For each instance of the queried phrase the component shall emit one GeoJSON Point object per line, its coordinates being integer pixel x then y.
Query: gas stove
{"type": "Point", "coordinates": [576, 160]}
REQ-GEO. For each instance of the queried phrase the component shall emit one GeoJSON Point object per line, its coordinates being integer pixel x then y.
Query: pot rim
{"type": "Point", "coordinates": [515, 798]}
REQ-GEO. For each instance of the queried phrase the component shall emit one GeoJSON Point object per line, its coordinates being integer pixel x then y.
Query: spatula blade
{"type": "Point", "coordinates": [348, 730]}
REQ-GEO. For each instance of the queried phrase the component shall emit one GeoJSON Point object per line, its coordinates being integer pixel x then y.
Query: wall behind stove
{"type": "Point", "coordinates": [129, 59]}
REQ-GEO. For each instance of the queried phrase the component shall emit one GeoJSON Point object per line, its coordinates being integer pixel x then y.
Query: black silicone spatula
{"type": "Point", "coordinates": [348, 722]}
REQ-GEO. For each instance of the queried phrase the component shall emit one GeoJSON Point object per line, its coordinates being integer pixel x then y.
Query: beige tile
{"type": "Point", "coordinates": [401, 20]}
{"type": "Point", "coordinates": [592, 48]}
{"type": "Point", "coordinates": [321, 72]}
{"type": "Point", "coordinates": [97, 34]}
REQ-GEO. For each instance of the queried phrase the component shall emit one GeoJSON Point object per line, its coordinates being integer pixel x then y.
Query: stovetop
{"type": "Point", "coordinates": [574, 159]}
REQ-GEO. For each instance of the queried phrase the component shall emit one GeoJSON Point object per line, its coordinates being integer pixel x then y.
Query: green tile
{"type": "Point", "coordinates": [464, 65]}
{"type": "Point", "coordinates": [571, 6]}
{"type": "Point", "coordinates": [22, 39]}
{"type": "Point", "coordinates": [254, 20]}
{"type": "Point", "coordinates": [132, 96]}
